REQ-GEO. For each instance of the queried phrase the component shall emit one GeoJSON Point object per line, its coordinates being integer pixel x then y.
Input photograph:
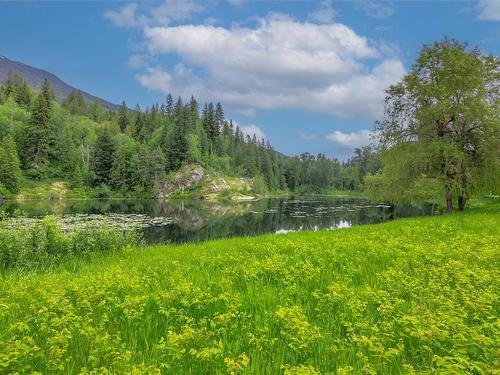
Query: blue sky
{"type": "Point", "coordinates": [309, 75]}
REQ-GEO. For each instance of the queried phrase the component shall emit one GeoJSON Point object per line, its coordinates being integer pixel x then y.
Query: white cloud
{"type": "Point", "coordinates": [324, 14]}
{"type": "Point", "coordinates": [181, 82]}
{"type": "Point", "coordinates": [138, 61]}
{"type": "Point", "coordinates": [305, 136]}
{"type": "Point", "coordinates": [175, 10]}
{"type": "Point", "coordinates": [250, 130]}
{"type": "Point", "coordinates": [158, 15]}
{"type": "Point", "coordinates": [282, 63]}
{"type": "Point", "coordinates": [350, 140]}
{"type": "Point", "coordinates": [489, 10]}
{"type": "Point", "coordinates": [126, 17]}
{"type": "Point", "coordinates": [375, 9]}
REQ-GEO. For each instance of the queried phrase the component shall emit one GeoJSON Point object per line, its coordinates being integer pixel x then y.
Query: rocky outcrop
{"type": "Point", "coordinates": [195, 181]}
{"type": "Point", "coordinates": [183, 181]}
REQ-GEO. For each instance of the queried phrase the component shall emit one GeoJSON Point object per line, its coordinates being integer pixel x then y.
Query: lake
{"type": "Point", "coordinates": [198, 220]}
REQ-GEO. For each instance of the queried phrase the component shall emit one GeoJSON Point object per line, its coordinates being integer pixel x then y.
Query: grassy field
{"type": "Point", "coordinates": [410, 296]}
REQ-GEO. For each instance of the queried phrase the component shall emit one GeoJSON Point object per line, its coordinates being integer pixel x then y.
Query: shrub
{"type": "Point", "coordinates": [102, 192]}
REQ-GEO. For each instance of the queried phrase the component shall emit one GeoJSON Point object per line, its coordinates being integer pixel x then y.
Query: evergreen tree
{"type": "Point", "coordinates": [123, 116]}
{"type": "Point", "coordinates": [193, 113]}
{"type": "Point", "coordinates": [104, 155]}
{"type": "Point", "coordinates": [169, 105]}
{"type": "Point", "coordinates": [177, 108]}
{"type": "Point", "coordinates": [23, 94]}
{"type": "Point", "coordinates": [178, 150]}
{"type": "Point", "coordinates": [39, 135]}
{"type": "Point", "coordinates": [219, 117]}
{"type": "Point", "coordinates": [16, 87]}
{"type": "Point", "coordinates": [75, 103]}
{"type": "Point", "coordinates": [209, 124]}
{"type": "Point", "coordinates": [47, 92]}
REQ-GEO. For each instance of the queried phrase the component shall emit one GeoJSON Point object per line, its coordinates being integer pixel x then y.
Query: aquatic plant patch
{"type": "Point", "coordinates": [110, 220]}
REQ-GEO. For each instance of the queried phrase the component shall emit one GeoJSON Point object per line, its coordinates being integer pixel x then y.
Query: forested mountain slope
{"type": "Point", "coordinates": [34, 77]}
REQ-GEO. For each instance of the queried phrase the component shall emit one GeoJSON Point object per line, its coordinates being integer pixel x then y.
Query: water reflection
{"type": "Point", "coordinates": [202, 220]}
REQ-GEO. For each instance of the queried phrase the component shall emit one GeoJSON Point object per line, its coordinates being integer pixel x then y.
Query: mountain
{"type": "Point", "coordinates": [35, 77]}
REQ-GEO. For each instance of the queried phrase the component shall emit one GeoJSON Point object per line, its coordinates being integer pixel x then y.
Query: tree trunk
{"type": "Point", "coordinates": [461, 202]}
{"type": "Point", "coordinates": [449, 202]}
{"type": "Point", "coordinates": [462, 199]}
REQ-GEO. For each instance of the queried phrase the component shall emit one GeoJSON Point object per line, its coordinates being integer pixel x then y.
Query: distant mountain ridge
{"type": "Point", "coordinates": [34, 77]}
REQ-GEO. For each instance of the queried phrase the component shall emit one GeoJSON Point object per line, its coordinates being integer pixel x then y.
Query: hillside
{"type": "Point", "coordinates": [35, 77]}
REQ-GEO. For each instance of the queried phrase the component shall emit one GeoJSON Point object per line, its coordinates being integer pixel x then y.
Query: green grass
{"type": "Point", "coordinates": [410, 296]}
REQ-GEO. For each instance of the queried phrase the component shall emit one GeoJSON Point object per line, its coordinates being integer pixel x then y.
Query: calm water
{"type": "Point", "coordinates": [184, 221]}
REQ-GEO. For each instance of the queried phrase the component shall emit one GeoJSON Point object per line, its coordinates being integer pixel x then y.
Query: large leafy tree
{"type": "Point", "coordinates": [446, 109]}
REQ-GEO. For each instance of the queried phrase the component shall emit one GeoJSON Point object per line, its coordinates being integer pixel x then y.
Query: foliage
{"type": "Point", "coordinates": [400, 183]}
{"type": "Point", "coordinates": [446, 113]}
{"type": "Point", "coordinates": [410, 296]}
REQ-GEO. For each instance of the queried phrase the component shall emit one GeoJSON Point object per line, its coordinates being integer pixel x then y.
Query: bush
{"type": "Point", "coordinates": [102, 192]}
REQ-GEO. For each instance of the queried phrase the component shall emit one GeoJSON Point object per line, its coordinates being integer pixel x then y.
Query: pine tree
{"type": "Point", "coordinates": [178, 107]}
{"type": "Point", "coordinates": [23, 95]}
{"type": "Point", "coordinates": [169, 105]}
{"type": "Point", "coordinates": [178, 149]}
{"type": "Point", "coordinates": [123, 116]}
{"type": "Point", "coordinates": [10, 171]}
{"type": "Point", "coordinates": [104, 154]}
{"type": "Point", "coordinates": [219, 117]}
{"type": "Point", "coordinates": [139, 123]}
{"type": "Point", "coordinates": [39, 136]}
{"type": "Point", "coordinates": [16, 87]}
{"type": "Point", "coordinates": [48, 93]}
{"type": "Point", "coordinates": [193, 113]}
{"type": "Point", "coordinates": [75, 103]}
{"type": "Point", "coordinates": [209, 123]}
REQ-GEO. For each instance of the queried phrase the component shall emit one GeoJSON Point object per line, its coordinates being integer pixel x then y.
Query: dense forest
{"type": "Point", "coordinates": [133, 150]}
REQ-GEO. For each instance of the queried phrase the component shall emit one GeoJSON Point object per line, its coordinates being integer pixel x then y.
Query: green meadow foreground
{"type": "Point", "coordinates": [410, 296]}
